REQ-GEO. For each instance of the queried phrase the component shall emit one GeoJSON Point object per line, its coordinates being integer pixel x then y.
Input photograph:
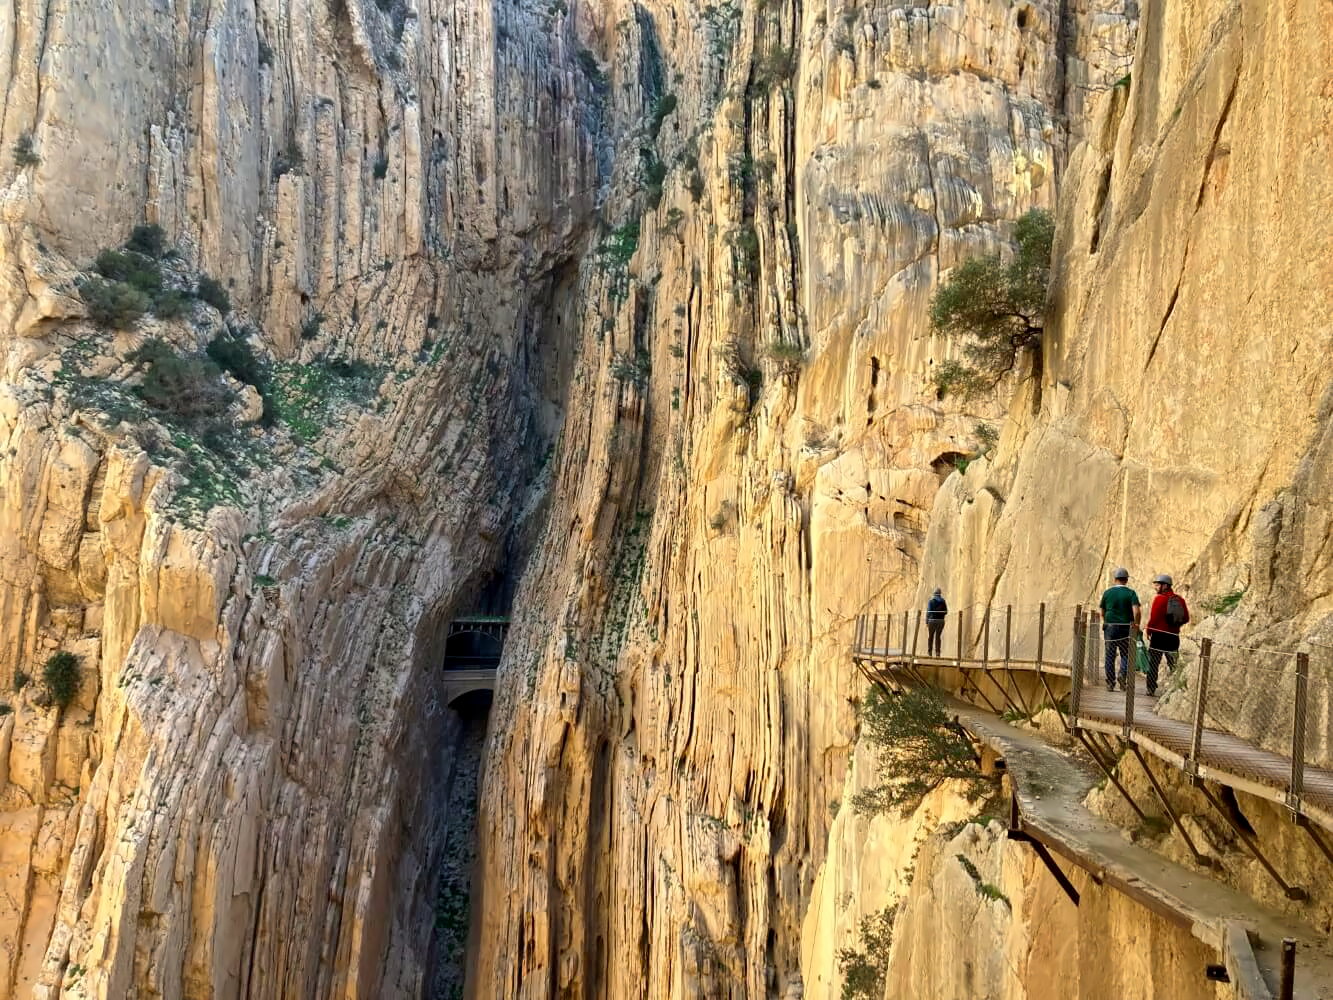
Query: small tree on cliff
{"type": "Point", "coordinates": [996, 309]}
{"type": "Point", "coordinates": [62, 677]}
{"type": "Point", "coordinates": [919, 748]}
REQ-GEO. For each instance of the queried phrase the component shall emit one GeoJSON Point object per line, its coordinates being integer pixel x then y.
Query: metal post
{"type": "Point", "coordinates": [1287, 987]}
{"type": "Point", "coordinates": [1028, 710]}
{"type": "Point", "coordinates": [916, 633]}
{"type": "Point", "coordinates": [985, 636]}
{"type": "Point", "coordinates": [1076, 666]}
{"type": "Point", "coordinates": [1041, 633]}
{"type": "Point", "coordinates": [1297, 788]}
{"type": "Point", "coordinates": [958, 653]}
{"type": "Point", "coordinates": [858, 641]}
{"type": "Point", "coordinates": [874, 633]}
{"type": "Point", "coordinates": [1008, 634]}
{"type": "Point", "coordinates": [1200, 705]}
{"type": "Point", "coordinates": [1131, 687]}
{"type": "Point", "coordinates": [1090, 645]}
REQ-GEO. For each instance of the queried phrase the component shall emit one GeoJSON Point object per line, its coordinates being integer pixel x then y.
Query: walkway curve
{"type": "Point", "coordinates": [1247, 936]}
{"type": "Point", "coordinates": [1305, 789]}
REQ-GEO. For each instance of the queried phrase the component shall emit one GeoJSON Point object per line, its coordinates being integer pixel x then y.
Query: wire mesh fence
{"type": "Point", "coordinates": [1022, 636]}
{"type": "Point", "coordinates": [1262, 714]}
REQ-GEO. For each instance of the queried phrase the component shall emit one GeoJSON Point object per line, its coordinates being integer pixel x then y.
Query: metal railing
{"type": "Point", "coordinates": [1257, 719]}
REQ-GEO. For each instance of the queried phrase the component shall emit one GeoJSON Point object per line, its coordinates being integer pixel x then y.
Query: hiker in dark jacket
{"type": "Point", "coordinates": [1167, 614]}
{"type": "Point", "coordinates": [1120, 619]}
{"type": "Point", "coordinates": [936, 611]}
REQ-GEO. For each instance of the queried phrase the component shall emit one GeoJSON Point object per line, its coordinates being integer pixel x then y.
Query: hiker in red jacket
{"type": "Point", "coordinates": [1167, 615]}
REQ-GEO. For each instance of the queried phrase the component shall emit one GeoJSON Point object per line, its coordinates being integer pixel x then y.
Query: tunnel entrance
{"type": "Point", "coordinates": [475, 643]}
{"type": "Point", "coordinates": [471, 655]}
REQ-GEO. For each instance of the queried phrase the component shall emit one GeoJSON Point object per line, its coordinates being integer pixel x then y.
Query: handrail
{"type": "Point", "coordinates": [1033, 644]}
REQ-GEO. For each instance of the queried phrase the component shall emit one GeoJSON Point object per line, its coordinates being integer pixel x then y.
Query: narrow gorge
{"type": "Point", "coordinates": [329, 323]}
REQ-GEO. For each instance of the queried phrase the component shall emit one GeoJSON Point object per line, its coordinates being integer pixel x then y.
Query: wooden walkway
{"type": "Point", "coordinates": [1222, 757]}
{"type": "Point", "coordinates": [1050, 786]}
{"type": "Point", "coordinates": [1002, 683]}
{"type": "Point", "coordinates": [1306, 790]}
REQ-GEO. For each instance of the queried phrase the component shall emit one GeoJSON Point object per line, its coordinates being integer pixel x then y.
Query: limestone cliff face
{"type": "Point", "coordinates": [754, 461]}
{"type": "Point", "coordinates": [764, 460]}
{"type": "Point", "coordinates": [646, 284]}
{"type": "Point", "coordinates": [242, 799]}
{"type": "Point", "coordinates": [1185, 424]}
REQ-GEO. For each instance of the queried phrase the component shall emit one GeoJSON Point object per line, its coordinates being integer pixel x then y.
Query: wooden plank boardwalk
{"type": "Point", "coordinates": [1247, 936]}
{"type": "Point", "coordinates": [1051, 785]}
{"type": "Point", "coordinates": [1221, 757]}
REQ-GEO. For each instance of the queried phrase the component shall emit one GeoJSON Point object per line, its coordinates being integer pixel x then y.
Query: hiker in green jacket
{"type": "Point", "coordinates": [1120, 619]}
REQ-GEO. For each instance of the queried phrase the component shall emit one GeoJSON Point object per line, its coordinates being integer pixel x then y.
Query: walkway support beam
{"type": "Point", "coordinates": [1246, 838]}
{"type": "Point", "coordinates": [1304, 823]}
{"type": "Point", "coordinates": [1201, 858]}
{"type": "Point", "coordinates": [1109, 771]}
{"type": "Point", "coordinates": [1018, 834]}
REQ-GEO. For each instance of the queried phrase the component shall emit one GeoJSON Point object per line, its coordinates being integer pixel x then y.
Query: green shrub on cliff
{"type": "Point", "coordinates": [231, 351]}
{"type": "Point", "coordinates": [775, 68]}
{"type": "Point", "coordinates": [113, 304]}
{"type": "Point", "coordinates": [185, 387]}
{"type": "Point", "coordinates": [863, 968]}
{"type": "Point", "coordinates": [211, 291]}
{"type": "Point", "coordinates": [995, 308]}
{"type": "Point", "coordinates": [1223, 604]}
{"type": "Point", "coordinates": [592, 69]}
{"type": "Point", "coordinates": [131, 267]}
{"type": "Point", "coordinates": [149, 240]}
{"type": "Point", "coordinates": [129, 282]}
{"type": "Point", "coordinates": [62, 676]}
{"type": "Point", "coordinates": [24, 154]}
{"type": "Point", "coordinates": [663, 108]}
{"type": "Point", "coordinates": [631, 369]}
{"type": "Point", "coordinates": [919, 747]}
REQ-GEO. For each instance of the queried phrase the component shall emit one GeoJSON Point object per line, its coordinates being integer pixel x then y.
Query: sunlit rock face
{"type": "Point", "coordinates": [754, 459]}
{"type": "Point", "coordinates": [247, 794]}
{"type": "Point", "coordinates": [641, 294]}
{"type": "Point", "coordinates": [1185, 423]}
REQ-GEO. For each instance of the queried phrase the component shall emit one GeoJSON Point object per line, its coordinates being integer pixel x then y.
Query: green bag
{"type": "Point", "coordinates": [1140, 656]}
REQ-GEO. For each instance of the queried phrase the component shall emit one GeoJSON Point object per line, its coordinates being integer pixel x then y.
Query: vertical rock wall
{"type": "Point", "coordinates": [1186, 416]}
{"type": "Point", "coordinates": [244, 799]}
{"type": "Point", "coordinates": [752, 461]}
{"type": "Point", "coordinates": [697, 242]}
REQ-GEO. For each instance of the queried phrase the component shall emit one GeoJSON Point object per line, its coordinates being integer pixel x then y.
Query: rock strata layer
{"type": "Point", "coordinates": [630, 300]}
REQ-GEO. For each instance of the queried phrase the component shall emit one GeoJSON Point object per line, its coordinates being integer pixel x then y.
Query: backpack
{"type": "Point", "coordinates": [1176, 612]}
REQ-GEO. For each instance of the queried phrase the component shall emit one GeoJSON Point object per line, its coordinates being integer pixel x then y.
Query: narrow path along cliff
{"type": "Point", "coordinates": [321, 321]}
{"type": "Point", "coordinates": [1051, 785]}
